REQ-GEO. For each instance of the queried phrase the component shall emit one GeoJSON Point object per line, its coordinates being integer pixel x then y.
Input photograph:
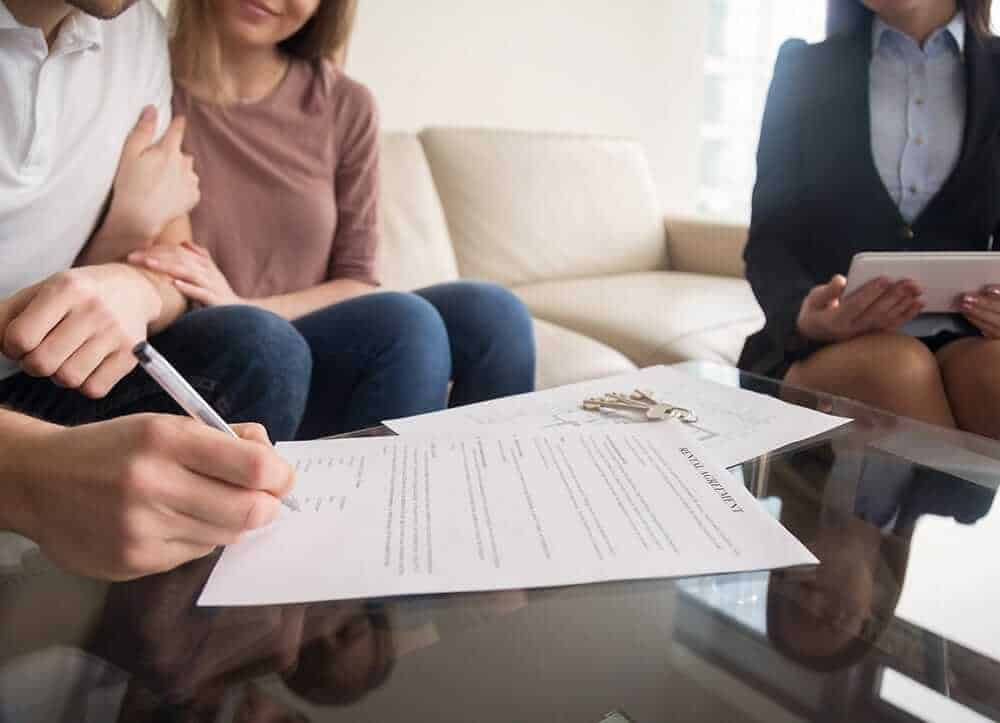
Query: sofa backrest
{"type": "Point", "coordinates": [415, 249]}
{"type": "Point", "coordinates": [526, 206]}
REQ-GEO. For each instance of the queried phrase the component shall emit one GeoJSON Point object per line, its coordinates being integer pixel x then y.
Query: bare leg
{"type": "Point", "coordinates": [890, 371]}
{"type": "Point", "coordinates": [971, 372]}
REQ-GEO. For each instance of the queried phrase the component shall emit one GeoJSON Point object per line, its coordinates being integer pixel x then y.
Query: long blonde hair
{"type": "Point", "coordinates": [197, 55]}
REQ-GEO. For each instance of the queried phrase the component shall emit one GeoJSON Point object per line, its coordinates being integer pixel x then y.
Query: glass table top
{"type": "Point", "coordinates": [898, 623]}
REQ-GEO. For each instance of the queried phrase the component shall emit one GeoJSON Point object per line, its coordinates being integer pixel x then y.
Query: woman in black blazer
{"type": "Point", "coordinates": [822, 196]}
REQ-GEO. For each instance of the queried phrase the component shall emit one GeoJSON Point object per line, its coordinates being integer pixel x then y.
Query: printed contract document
{"type": "Point", "coordinates": [734, 425]}
{"type": "Point", "coordinates": [400, 516]}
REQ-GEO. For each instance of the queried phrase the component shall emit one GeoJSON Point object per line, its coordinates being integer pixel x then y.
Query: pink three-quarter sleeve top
{"type": "Point", "coordinates": [289, 184]}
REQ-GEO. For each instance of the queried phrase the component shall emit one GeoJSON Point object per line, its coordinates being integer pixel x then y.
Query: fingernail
{"type": "Point", "coordinates": [147, 114]}
{"type": "Point", "coordinates": [968, 300]}
{"type": "Point", "coordinates": [994, 291]}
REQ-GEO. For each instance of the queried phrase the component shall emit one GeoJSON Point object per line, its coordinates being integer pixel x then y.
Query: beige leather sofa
{"type": "Point", "coordinates": [573, 226]}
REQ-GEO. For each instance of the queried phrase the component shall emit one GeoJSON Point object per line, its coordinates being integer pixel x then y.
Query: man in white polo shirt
{"type": "Point", "coordinates": [91, 467]}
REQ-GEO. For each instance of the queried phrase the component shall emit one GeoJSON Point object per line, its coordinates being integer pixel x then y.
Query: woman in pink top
{"type": "Point", "coordinates": [286, 147]}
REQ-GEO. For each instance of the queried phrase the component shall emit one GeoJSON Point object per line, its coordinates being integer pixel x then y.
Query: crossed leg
{"type": "Point", "coordinates": [890, 371]}
{"type": "Point", "coordinates": [970, 369]}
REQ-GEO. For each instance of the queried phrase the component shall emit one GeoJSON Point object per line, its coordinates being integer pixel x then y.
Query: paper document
{"type": "Point", "coordinates": [397, 515]}
{"type": "Point", "coordinates": [734, 425]}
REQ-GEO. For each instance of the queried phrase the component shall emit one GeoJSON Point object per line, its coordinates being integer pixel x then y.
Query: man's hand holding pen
{"type": "Point", "coordinates": [142, 493]}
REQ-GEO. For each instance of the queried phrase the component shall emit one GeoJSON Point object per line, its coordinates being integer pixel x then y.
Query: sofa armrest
{"type": "Point", "coordinates": [706, 247]}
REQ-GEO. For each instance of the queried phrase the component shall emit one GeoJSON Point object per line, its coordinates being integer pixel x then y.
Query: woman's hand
{"type": "Point", "coordinates": [880, 305]}
{"type": "Point", "coordinates": [983, 310]}
{"type": "Point", "coordinates": [155, 182]}
{"type": "Point", "coordinates": [154, 186]}
{"type": "Point", "coordinates": [194, 272]}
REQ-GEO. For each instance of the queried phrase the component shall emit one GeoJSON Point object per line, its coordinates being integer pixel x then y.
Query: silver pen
{"type": "Point", "coordinates": [185, 395]}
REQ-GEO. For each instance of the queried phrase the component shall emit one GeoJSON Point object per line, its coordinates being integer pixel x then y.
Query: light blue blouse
{"type": "Point", "coordinates": [917, 106]}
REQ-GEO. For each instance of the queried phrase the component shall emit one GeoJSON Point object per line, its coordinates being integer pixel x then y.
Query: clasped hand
{"type": "Point", "coordinates": [194, 272]}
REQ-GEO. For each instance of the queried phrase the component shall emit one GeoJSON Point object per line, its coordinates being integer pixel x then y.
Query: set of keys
{"type": "Point", "coordinates": [640, 402]}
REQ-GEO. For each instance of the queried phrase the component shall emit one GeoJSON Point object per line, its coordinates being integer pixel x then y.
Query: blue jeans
{"type": "Point", "coordinates": [250, 365]}
{"type": "Point", "coordinates": [389, 355]}
{"type": "Point", "coordinates": [339, 369]}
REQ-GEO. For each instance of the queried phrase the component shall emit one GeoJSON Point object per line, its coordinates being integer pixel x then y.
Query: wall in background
{"type": "Point", "coordinates": [631, 68]}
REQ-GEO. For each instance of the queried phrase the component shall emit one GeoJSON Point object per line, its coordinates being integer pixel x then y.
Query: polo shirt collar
{"type": "Point", "coordinates": [7, 19]}
{"type": "Point", "coordinates": [83, 30]}
{"type": "Point", "coordinates": [79, 29]}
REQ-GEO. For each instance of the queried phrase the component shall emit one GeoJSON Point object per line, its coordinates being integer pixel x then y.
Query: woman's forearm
{"type": "Point", "coordinates": [300, 303]}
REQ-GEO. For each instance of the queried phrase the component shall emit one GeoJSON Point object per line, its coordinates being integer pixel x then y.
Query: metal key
{"type": "Point", "coordinates": [662, 411]}
{"type": "Point", "coordinates": [640, 401]}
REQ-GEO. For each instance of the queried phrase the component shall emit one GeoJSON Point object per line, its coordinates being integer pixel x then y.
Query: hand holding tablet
{"type": "Point", "coordinates": [830, 314]}
{"type": "Point", "coordinates": [944, 277]}
{"type": "Point", "coordinates": [983, 310]}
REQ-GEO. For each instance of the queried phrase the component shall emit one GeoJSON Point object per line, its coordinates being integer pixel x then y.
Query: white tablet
{"type": "Point", "coordinates": [943, 275]}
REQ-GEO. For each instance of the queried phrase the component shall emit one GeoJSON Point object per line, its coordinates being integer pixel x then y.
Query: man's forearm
{"type": "Point", "coordinates": [113, 240]}
{"type": "Point", "coordinates": [173, 301]}
{"type": "Point", "coordinates": [105, 248]}
{"type": "Point", "coordinates": [20, 436]}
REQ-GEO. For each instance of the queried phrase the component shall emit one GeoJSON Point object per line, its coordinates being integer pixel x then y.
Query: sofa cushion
{"type": "Point", "coordinates": [415, 248]}
{"type": "Point", "coordinates": [524, 207]}
{"type": "Point", "coordinates": [656, 317]}
{"type": "Point", "coordinates": [565, 357]}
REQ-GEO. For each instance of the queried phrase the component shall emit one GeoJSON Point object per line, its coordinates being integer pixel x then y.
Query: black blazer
{"type": "Point", "coordinates": [819, 199]}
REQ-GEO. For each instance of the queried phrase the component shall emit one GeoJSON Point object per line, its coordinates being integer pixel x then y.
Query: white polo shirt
{"type": "Point", "coordinates": [64, 116]}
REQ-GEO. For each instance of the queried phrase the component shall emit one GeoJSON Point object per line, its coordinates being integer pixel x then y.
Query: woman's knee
{"type": "Point", "coordinates": [267, 365]}
{"type": "Point", "coordinates": [975, 367]}
{"type": "Point", "coordinates": [487, 311]}
{"type": "Point", "coordinates": [902, 359]}
{"type": "Point", "coordinates": [410, 332]}
{"type": "Point", "coordinates": [880, 361]}
{"type": "Point", "coordinates": [507, 312]}
{"type": "Point", "coordinates": [406, 316]}
{"type": "Point", "coordinates": [479, 301]}
{"type": "Point", "coordinates": [258, 336]}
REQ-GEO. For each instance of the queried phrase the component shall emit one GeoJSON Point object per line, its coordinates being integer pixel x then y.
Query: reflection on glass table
{"type": "Point", "coordinates": [898, 623]}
